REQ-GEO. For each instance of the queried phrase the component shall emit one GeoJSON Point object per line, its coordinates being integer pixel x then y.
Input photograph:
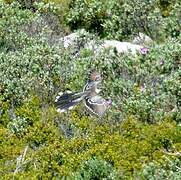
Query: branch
{"type": "Point", "coordinates": [21, 160]}
{"type": "Point", "coordinates": [172, 154]}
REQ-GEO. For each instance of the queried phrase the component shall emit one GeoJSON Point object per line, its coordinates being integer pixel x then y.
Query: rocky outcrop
{"type": "Point", "coordinates": [142, 39]}
{"type": "Point", "coordinates": [122, 47]}
{"type": "Point", "coordinates": [78, 39]}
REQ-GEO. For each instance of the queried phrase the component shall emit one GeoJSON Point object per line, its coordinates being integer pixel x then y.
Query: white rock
{"type": "Point", "coordinates": [100, 45]}
{"type": "Point", "coordinates": [142, 39]}
{"type": "Point", "coordinates": [72, 38]}
{"type": "Point", "coordinates": [122, 47]}
{"type": "Point", "coordinates": [69, 40]}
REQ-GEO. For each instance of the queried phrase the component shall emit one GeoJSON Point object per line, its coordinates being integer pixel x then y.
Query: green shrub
{"type": "Point", "coordinates": [171, 170]}
{"type": "Point", "coordinates": [18, 125]}
{"type": "Point", "coordinates": [95, 169]}
{"type": "Point", "coordinates": [122, 20]}
{"type": "Point", "coordinates": [118, 151]}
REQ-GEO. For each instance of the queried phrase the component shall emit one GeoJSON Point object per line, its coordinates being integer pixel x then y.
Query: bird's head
{"type": "Point", "coordinates": [95, 76]}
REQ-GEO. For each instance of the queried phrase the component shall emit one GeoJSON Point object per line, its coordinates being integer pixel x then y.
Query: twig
{"type": "Point", "coordinates": [172, 163]}
{"type": "Point", "coordinates": [21, 160]}
{"type": "Point", "coordinates": [172, 154]}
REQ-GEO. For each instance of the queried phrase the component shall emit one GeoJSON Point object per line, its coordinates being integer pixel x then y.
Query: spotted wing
{"type": "Point", "coordinates": [66, 101]}
{"type": "Point", "coordinates": [96, 104]}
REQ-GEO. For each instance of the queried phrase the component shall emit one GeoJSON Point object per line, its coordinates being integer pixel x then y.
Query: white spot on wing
{"type": "Point", "coordinates": [99, 102]}
{"type": "Point", "coordinates": [78, 99]}
{"type": "Point", "coordinates": [71, 107]}
{"type": "Point", "coordinates": [60, 93]}
{"type": "Point", "coordinates": [56, 99]}
{"type": "Point", "coordinates": [61, 110]}
{"type": "Point", "coordinates": [68, 92]}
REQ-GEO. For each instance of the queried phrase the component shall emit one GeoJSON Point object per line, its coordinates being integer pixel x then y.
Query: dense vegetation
{"type": "Point", "coordinates": [138, 138]}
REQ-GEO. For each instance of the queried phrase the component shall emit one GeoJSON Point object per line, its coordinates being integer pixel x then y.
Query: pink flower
{"type": "Point", "coordinates": [144, 51]}
{"type": "Point", "coordinates": [162, 62]}
{"type": "Point", "coordinates": [109, 102]}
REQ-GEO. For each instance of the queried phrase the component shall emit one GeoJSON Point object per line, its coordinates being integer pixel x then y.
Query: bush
{"type": "Point", "coordinates": [18, 125]}
{"type": "Point", "coordinates": [171, 170]}
{"type": "Point", "coordinates": [26, 61]}
{"type": "Point", "coordinates": [95, 169]}
{"type": "Point", "coordinates": [121, 20]}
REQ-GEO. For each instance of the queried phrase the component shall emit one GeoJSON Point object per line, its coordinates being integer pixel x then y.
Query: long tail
{"type": "Point", "coordinates": [68, 100]}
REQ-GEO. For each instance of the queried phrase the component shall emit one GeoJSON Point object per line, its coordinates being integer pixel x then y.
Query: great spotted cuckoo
{"type": "Point", "coordinates": [93, 102]}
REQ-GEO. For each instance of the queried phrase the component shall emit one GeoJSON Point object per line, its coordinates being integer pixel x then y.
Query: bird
{"type": "Point", "coordinates": [95, 104]}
